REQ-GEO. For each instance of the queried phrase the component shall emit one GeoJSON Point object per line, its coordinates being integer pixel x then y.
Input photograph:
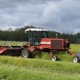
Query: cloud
{"type": "Point", "coordinates": [58, 15]}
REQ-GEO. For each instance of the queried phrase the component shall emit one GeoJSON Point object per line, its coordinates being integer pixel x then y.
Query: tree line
{"type": "Point", "coordinates": [19, 35]}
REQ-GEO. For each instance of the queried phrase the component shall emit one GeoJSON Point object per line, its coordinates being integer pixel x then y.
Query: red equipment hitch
{"type": "Point", "coordinates": [2, 49]}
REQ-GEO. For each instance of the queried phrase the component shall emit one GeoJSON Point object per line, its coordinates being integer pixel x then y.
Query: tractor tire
{"type": "Point", "coordinates": [54, 58]}
{"type": "Point", "coordinates": [25, 53]}
{"type": "Point", "coordinates": [76, 60]}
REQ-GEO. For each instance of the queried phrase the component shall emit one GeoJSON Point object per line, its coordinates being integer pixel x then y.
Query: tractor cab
{"type": "Point", "coordinates": [35, 35]}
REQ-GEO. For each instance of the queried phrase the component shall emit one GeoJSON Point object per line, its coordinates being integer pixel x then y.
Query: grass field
{"type": "Point", "coordinates": [17, 68]}
{"type": "Point", "coordinates": [13, 68]}
{"type": "Point", "coordinates": [75, 47]}
{"type": "Point", "coordinates": [12, 43]}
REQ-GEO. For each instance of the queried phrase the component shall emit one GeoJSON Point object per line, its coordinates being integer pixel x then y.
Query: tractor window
{"type": "Point", "coordinates": [34, 34]}
{"type": "Point", "coordinates": [35, 38]}
{"type": "Point", "coordinates": [29, 36]}
{"type": "Point", "coordinates": [44, 34]}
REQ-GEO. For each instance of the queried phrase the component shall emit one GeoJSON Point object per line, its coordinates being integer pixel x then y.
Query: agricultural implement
{"type": "Point", "coordinates": [38, 41]}
{"type": "Point", "coordinates": [76, 58]}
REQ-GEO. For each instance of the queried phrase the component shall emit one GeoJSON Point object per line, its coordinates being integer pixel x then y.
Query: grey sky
{"type": "Point", "coordinates": [58, 15]}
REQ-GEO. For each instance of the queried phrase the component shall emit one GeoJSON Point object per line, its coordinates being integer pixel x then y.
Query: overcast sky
{"type": "Point", "coordinates": [57, 15]}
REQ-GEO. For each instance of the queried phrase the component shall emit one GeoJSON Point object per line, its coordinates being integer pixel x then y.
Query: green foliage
{"type": "Point", "coordinates": [63, 56]}
{"type": "Point", "coordinates": [45, 55]}
{"type": "Point", "coordinates": [13, 68]}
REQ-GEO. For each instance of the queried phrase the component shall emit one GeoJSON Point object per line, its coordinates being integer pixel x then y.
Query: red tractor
{"type": "Point", "coordinates": [38, 41]}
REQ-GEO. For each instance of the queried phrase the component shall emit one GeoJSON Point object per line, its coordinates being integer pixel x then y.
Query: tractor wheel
{"type": "Point", "coordinates": [54, 58]}
{"type": "Point", "coordinates": [76, 60]}
{"type": "Point", "coordinates": [25, 53]}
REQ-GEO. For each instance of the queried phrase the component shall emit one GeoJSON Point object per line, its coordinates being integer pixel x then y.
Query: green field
{"type": "Point", "coordinates": [12, 43]}
{"type": "Point", "coordinates": [75, 47]}
{"type": "Point", "coordinates": [17, 68]}
{"type": "Point", "coordinates": [13, 68]}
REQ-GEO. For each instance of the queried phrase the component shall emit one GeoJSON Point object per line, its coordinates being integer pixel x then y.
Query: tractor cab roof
{"type": "Point", "coordinates": [35, 29]}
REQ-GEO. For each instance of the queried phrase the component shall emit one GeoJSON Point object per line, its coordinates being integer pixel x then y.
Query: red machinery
{"type": "Point", "coordinates": [38, 41]}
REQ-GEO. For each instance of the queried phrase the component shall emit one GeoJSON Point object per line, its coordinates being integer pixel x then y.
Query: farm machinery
{"type": "Point", "coordinates": [38, 41]}
{"type": "Point", "coordinates": [76, 58]}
